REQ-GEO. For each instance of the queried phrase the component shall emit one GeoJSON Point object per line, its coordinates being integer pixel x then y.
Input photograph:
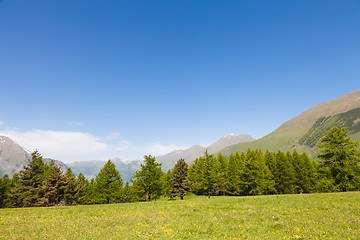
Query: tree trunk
{"type": "Point", "coordinates": [147, 198]}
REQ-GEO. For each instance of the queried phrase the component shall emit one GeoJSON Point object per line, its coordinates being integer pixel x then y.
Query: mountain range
{"type": "Point", "coordinates": [300, 133]}
{"type": "Point", "coordinates": [303, 132]}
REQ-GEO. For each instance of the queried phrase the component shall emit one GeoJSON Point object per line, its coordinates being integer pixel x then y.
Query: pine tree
{"type": "Point", "coordinates": [70, 188]}
{"type": "Point", "coordinates": [179, 180]}
{"type": "Point", "coordinates": [50, 191]}
{"type": "Point", "coordinates": [204, 175]}
{"type": "Point", "coordinates": [147, 181]}
{"type": "Point", "coordinates": [233, 174]}
{"type": "Point", "coordinates": [284, 174]}
{"type": "Point", "coordinates": [26, 190]}
{"type": "Point", "coordinates": [4, 190]}
{"type": "Point", "coordinates": [108, 184]}
{"type": "Point", "coordinates": [195, 175]}
{"type": "Point", "coordinates": [261, 179]}
{"type": "Point", "coordinates": [223, 164]}
{"type": "Point", "coordinates": [89, 194]}
{"type": "Point", "coordinates": [81, 184]}
{"type": "Point", "coordinates": [340, 155]}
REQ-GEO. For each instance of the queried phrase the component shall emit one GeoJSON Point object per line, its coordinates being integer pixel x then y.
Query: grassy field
{"type": "Point", "coordinates": [313, 216]}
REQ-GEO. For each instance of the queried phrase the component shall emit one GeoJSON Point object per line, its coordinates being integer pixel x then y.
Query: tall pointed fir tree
{"type": "Point", "coordinates": [108, 184]}
{"type": "Point", "coordinates": [50, 191]}
{"type": "Point", "coordinates": [26, 189]}
{"type": "Point", "coordinates": [234, 173]}
{"type": "Point", "coordinates": [70, 189]}
{"type": "Point", "coordinates": [341, 156]}
{"type": "Point", "coordinates": [81, 184]}
{"type": "Point", "coordinates": [223, 164]}
{"type": "Point", "coordinates": [4, 190]}
{"type": "Point", "coordinates": [204, 175]}
{"type": "Point", "coordinates": [147, 181]}
{"type": "Point", "coordinates": [284, 174]}
{"type": "Point", "coordinates": [261, 180]}
{"type": "Point", "coordinates": [180, 185]}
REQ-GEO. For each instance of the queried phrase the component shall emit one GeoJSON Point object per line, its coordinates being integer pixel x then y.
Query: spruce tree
{"type": "Point", "coordinates": [147, 181]}
{"type": "Point", "coordinates": [179, 180]}
{"type": "Point", "coordinates": [195, 175]}
{"type": "Point", "coordinates": [4, 190]}
{"type": "Point", "coordinates": [108, 184]}
{"type": "Point", "coordinates": [261, 179]}
{"type": "Point", "coordinates": [81, 184]}
{"type": "Point", "coordinates": [204, 175]}
{"type": "Point", "coordinates": [26, 190]}
{"type": "Point", "coordinates": [70, 189]}
{"type": "Point", "coordinates": [234, 174]}
{"type": "Point", "coordinates": [223, 164]}
{"type": "Point", "coordinates": [284, 174]}
{"type": "Point", "coordinates": [50, 191]}
{"type": "Point", "coordinates": [340, 155]}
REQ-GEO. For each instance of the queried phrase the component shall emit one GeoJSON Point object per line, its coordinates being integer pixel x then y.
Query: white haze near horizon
{"type": "Point", "coordinates": [68, 146]}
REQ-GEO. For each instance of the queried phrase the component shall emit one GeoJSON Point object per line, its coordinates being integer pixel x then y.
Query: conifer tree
{"type": "Point", "coordinates": [167, 184]}
{"type": "Point", "coordinates": [204, 175]}
{"type": "Point", "coordinates": [70, 189]}
{"type": "Point", "coordinates": [234, 173]}
{"type": "Point", "coordinates": [89, 194]}
{"type": "Point", "coordinates": [340, 155]}
{"type": "Point", "coordinates": [26, 190]}
{"type": "Point", "coordinates": [108, 184]}
{"type": "Point", "coordinates": [50, 191]}
{"type": "Point", "coordinates": [81, 184]}
{"type": "Point", "coordinates": [147, 181]}
{"type": "Point", "coordinates": [261, 180]}
{"type": "Point", "coordinates": [179, 180]}
{"type": "Point", "coordinates": [223, 164]}
{"type": "Point", "coordinates": [4, 190]}
{"type": "Point", "coordinates": [284, 174]}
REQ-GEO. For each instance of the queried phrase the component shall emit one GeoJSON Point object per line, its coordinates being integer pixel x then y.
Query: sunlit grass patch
{"type": "Point", "coordinates": [313, 216]}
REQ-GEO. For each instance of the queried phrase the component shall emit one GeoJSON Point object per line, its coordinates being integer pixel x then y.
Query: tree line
{"type": "Point", "coordinates": [241, 174]}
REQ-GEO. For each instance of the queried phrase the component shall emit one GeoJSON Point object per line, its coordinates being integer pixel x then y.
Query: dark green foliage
{"type": "Point", "coordinates": [180, 184]}
{"type": "Point", "coordinates": [81, 184]}
{"type": "Point", "coordinates": [70, 194]}
{"type": "Point", "coordinates": [261, 181]}
{"type": "Point", "coordinates": [223, 164]}
{"type": "Point", "coordinates": [340, 155]}
{"type": "Point", "coordinates": [235, 174]}
{"type": "Point", "coordinates": [148, 180]}
{"type": "Point", "coordinates": [349, 120]}
{"type": "Point", "coordinates": [5, 185]}
{"type": "Point", "coordinates": [167, 184]}
{"type": "Point", "coordinates": [204, 175]}
{"type": "Point", "coordinates": [130, 194]}
{"type": "Point", "coordinates": [108, 186]}
{"type": "Point", "coordinates": [26, 189]}
{"type": "Point", "coordinates": [50, 191]}
{"type": "Point", "coordinates": [284, 174]}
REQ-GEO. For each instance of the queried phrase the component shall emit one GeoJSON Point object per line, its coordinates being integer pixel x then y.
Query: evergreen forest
{"type": "Point", "coordinates": [247, 173]}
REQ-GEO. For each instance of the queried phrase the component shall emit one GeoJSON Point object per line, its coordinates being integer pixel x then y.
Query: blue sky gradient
{"type": "Point", "coordinates": [145, 77]}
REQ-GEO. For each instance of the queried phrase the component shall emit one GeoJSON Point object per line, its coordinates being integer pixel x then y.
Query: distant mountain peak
{"type": "Point", "coordinates": [190, 154]}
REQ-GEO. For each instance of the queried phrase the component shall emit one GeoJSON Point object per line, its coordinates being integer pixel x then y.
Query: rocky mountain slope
{"type": "Point", "coordinates": [13, 157]}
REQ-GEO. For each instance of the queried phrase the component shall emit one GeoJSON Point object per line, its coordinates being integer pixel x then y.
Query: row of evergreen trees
{"type": "Point", "coordinates": [250, 173]}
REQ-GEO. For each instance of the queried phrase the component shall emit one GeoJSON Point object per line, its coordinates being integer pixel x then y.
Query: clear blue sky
{"type": "Point", "coordinates": [98, 79]}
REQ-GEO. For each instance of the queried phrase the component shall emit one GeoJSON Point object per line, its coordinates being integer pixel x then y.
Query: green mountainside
{"type": "Point", "coordinates": [302, 132]}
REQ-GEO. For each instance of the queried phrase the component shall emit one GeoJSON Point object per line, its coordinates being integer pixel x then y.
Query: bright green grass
{"type": "Point", "coordinates": [313, 216]}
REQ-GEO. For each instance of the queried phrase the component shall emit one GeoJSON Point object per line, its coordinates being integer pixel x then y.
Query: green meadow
{"type": "Point", "coordinates": [306, 216]}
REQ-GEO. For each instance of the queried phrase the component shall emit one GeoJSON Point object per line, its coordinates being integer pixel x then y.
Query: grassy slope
{"type": "Point", "coordinates": [313, 216]}
{"type": "Point", "coordinates": [287, 136]}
